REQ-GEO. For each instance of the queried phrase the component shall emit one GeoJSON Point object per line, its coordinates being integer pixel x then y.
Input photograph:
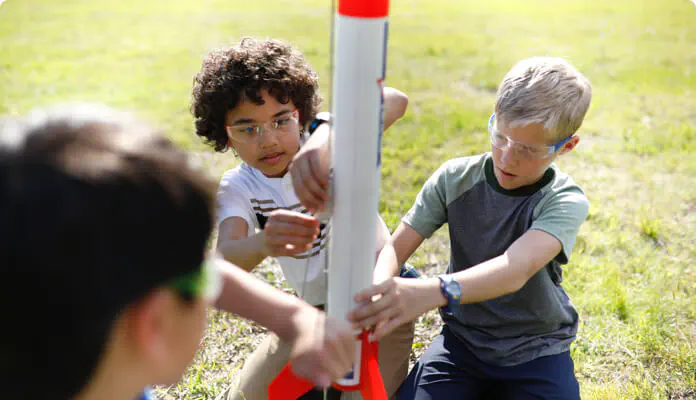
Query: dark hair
{"type": "Point", "coordinates": [96, 211]}
{"type": "Point", "coordinates": [231, 75]}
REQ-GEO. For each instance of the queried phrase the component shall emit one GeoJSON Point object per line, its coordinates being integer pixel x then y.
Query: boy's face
{"type": "Point", "coordinates": [166, 332]}
{"type": "Point", "coordinates": [512, 168]}
{"type": "Point", "coordinates": [188, 325]}
{"type": "Point", "coordinates": [272, 149]}
{"type": "Point", "coordinates": [184, 321]}
{"type": "Point", "coordinates": [152, 342]}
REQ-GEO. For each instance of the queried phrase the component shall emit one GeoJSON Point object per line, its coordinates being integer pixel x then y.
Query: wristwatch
{"type": "Point", "coordinates": [319, 119]}
{"type": "Point", "coordinates": [452, 291]}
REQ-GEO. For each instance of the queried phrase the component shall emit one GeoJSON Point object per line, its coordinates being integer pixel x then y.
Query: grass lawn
{"type": "Point", "coordinates": [633, 272]}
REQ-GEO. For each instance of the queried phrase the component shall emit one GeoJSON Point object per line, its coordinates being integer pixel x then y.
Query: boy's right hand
{"type": "Point", "coordinates": [324, 350]}
{"type": "Point", "coordinates": [288, 232]}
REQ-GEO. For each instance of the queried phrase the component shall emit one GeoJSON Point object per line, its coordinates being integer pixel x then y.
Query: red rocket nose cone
{"type": "Point", "coordinates": [364, 8]}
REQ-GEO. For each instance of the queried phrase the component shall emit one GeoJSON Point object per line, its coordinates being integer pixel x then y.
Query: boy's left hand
{"type": "Point", "coordinates": [394, 302]}
{"type": "Point", "coordinates": [309, 170]}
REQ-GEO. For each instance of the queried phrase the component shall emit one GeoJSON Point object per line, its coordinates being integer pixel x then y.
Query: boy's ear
{"type": "Point", "coordinates": [570, 145]}
{"type": "Point", "coordinates": [231, 147]}
{"type": "Point", "coordinates": [147, 325]}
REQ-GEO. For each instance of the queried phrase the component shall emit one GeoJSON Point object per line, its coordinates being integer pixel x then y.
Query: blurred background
{"type": "Point", "coordinates": [632, 275]}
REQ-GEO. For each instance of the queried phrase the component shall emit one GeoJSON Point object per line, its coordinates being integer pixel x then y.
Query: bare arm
{"type": "Point", "coordinates": [510, 271]}
{"type": "Point", "coordinates": [236, 247]}
{"type": "Point", "coordinates": [286, 233]}
{"type": "Point", "coordinates": [322, 348]}
{"type": "Point", "coordinates": [403, 300]}
{"type": "Point", "coordinates": [396, 252]}
{"type": "Point", "coordinates": [310, 166]}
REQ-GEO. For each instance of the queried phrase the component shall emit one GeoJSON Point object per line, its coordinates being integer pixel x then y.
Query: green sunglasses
{"type": "Point", "coordinates": [204, 283]}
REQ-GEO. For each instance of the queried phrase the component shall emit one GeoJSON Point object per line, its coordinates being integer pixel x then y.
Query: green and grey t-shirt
{"type": "Point", "coordinates": [484, 220]}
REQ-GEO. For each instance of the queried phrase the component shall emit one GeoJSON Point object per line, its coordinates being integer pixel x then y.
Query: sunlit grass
{"type": "Point", "coordinates": [633, 272]}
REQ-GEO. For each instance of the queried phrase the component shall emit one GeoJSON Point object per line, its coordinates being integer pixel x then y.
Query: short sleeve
{"type": "Point", "coordinates": [562, 216]}
{"type": "Point", "coordinates": [232, 201]}
{"type": "Point", "coordinates": [429, 212]}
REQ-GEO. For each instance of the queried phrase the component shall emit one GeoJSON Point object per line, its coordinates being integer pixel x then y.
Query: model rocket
{"type": "Point", "coordinates": [359, 59]}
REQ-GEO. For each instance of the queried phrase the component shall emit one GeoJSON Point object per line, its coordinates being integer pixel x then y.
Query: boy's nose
{"type": "Point", "coordinates": [268, 138]}
{"type": "Point", "coordinates": [507, 155]}
{"type": "Point", "coordinates": [510, 155]}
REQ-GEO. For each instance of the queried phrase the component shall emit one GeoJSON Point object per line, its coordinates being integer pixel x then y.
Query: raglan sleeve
{"type": "Point", "coordinates": [429, 212]}
{"type": "Point", "coordinates": [561, 216]}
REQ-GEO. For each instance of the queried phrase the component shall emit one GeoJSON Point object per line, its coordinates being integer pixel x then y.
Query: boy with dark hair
{"type": "Point", "coordinates": [104, 221]}
{"type": "Point", "coordinates": [260, 98]}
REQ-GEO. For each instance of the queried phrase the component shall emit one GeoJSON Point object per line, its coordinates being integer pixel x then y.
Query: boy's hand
{"type": "Point", "coordinates": [324, 350]}
{"type": "Point", "coordinates": [310, 167]}
{"type": "Point", "coordinates": [394, 302]}
{"type": "Point", "coordinates": [288, 232]}
{"type": "Point", "coordinates": [310, 171]}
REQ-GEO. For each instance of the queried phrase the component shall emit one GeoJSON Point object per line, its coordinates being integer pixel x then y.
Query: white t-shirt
{"type": "Point", "coordinates": [247, 193]}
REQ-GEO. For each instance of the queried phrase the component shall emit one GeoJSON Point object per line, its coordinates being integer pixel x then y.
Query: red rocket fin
{"type": "Point", "coordinates": [371, 385]}
{"type": "Point", "coordinates": [288, 386]}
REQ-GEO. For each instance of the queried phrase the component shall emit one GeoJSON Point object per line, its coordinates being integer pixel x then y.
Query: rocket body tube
{"type": "Point", "coordinates": [360, 37]}
{"type": "Point", "coordinates": [359, 70]}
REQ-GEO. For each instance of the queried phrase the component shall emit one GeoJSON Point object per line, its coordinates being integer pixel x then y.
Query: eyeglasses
{"type": "Point", "coordinates": [252, 133]}
{"type": "Point", "coordinates": [526, 151]}
{"type": "Point", "coordinates": [204, 283]}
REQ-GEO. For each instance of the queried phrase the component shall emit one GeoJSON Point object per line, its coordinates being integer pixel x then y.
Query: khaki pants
{"type": "Point", "coordinates": [265, 363]}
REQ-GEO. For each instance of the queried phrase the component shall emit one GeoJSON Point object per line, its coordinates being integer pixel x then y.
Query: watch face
{"type": "Point", "coordinates": [453, 288]}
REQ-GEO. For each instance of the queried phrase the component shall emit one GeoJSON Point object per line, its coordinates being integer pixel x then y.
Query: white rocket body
{"type": "Point", "coordinates": [359, 68]}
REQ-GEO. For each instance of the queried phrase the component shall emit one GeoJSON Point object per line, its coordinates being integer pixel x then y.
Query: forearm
{"type": "Point", "coordinates": [510, 271]}
{"type": "Point", "coordinates": [253, 299]}
{"type": "Point", "coordinates": [490, 279]}
{"type": "Point", "coordinates": [398, 300]}
{"type": "Point", "coordinates": [398, 249]}
{"type": "Point", "coordinates": [395, 103]}
{"type": "Point", "coordinates": [320, 141]}
{"type": "Point", "coordinates": [387, 264]}
{"type": "Point", "coordinates": [485, 281]}
{"type": "Point", "coordinates": [246, 252]}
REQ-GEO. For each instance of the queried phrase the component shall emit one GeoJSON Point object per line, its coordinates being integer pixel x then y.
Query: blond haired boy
{"type": "Point", "coordinates": [513, 218]}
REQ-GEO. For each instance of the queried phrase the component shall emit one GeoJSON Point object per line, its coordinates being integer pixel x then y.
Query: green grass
{"type": "Point", "coordinates": [633, 272]}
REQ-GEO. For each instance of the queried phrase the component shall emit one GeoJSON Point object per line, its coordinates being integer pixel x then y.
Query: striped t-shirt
{"type": "Point", "coordinates": [247, 193]}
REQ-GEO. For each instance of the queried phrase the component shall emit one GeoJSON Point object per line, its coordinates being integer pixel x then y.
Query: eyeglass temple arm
{"type": "Point", "coordinates": [562, 143]}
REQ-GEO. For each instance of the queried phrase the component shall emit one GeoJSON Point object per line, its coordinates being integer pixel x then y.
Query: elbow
{"type": "Point", "coordinates": [396, 102]}
{"type": "Point", "coordinates": [520, 269]}
{"type": "Point", "coordinates": [228, 250]}
{"type": "Point", "coordinates": [522, 276]}
{"type": "Point", "coordinates": [517, 283]}
{"type": "Point", "coordinates": [518, 278]}
{"type": "Point", "coordinates": [400, 104]}
{"type": "Point", "coordinates": [223, 250]}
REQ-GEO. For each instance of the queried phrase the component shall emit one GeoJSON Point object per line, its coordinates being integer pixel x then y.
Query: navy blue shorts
{"type": "Point", "coordinates": [449, 370]}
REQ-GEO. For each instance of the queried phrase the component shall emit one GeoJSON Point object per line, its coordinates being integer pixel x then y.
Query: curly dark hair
{"type": "Point", "coordinates": [231, 75]}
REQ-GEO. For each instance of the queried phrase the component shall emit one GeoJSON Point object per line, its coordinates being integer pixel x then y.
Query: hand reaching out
{"type": "Point", "coordinates": [323, 349]}
{"type": "Point", "coordinates": [289, 232]}
{"type": "Point", "coordinates": [394, 302]}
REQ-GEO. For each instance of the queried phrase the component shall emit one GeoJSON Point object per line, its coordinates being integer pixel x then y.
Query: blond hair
{"type": "Point", "coordinates": [547, 91]}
